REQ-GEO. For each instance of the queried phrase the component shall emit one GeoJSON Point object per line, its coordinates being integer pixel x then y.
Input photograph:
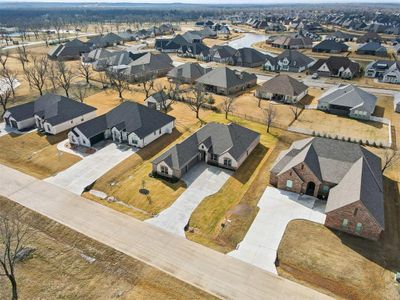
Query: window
{"type": "Point", "coordinates": [164, 169]}
{"type": "Point", "coordinates": [289, 184]}
{"type": "Point", "coordinates": [214, 157]}
{"type": "Point", "coordinates": [325, 188]}
{"type": "Point", "coordinates": [358, 228]}
{"type": "Point", "coordinates": [355, 212]}
{"type": "Point", "coordinates": [159, 131]}
{"type": "Point", "coordinates": [134, 142]}
{"type": "Point", "coordinates": [345, 223]}
{"type": "Point", "coordinates": [227, 162]}
{"type": "Point", "coordinates": [302, 166]}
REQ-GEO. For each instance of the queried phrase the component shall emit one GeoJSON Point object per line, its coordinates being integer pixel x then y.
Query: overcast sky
{"type": "Point", "coordinates": [211, 1]}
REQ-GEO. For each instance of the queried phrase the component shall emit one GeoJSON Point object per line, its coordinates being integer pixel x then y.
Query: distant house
{"type": "Point", "coordinates": [49, 113]}
{"type": "Point", "coordinates": [187, 73]}
{"type": "Point", "coordinates": [370, 37]}
{"type": "Point", "coordinates": [226, 146]}
{"type": "Point", "coordinates": [396, 102]}
{"type": "Point", "coordinates": [330, 46]}
{"type": "Point", "coordinates": [346, 174]}
{"type": "Point", "coordinates": [221, 53]}
{"type": "Point", "coordinates": [296, 41]}
{"type": "Point", "coordinates": [96, 54]}
{"type": "Point", "coordinates": [103, 41]}
{"type": "Point", "coordinates": [130, 122]}
{"type": "Point", "coordinates": [340, 36]}
{"type": "Point", "coordinates": [247, 57]}
{"type": "Point", "coordinates": [194, 50]}
{"type": "Point", "coordinates": [226, 81]}
{"type": "Point", "coordinates": [69, 51]}
{"type": "Point", "coordinates": [181, 43]}
{"type": "Point", "coordinates": [336, 66]}
{"type": "Point", "coordinates": [387, 71]}
{"type": "Point", "coordinates": [159, 100]}
{"type": "Point", "coordinates": [372, 48]}
{"type": "Point", "coordinates": [348, 100]}
{"type": "Point", "coordinates": [289, 61]}
{"type": "Point", "coordinates": [282, 88]}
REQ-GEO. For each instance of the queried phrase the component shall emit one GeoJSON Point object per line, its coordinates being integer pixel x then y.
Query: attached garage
{"type": "Point", "coordinates": [7, 120]}
{"type": "Point", "coordinates": [339, 110]}
{"type": "Point", "coordinates": [97, 138]}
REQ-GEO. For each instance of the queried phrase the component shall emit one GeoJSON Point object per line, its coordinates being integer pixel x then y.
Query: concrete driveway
{"type": "Point", "coordinates": [203, 180]}
{"type": "Point", "coordinates": [277, 209]}
{"type": "Point", "coordinates": [76, 178]}
{"type": "Point", "coordinates": [4, 130]}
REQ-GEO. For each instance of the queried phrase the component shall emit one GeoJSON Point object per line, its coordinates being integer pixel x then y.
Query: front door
{"type": "Point", "coordinates": [202, 155]}
{"type": "Point", "coordinates": [310, 188]}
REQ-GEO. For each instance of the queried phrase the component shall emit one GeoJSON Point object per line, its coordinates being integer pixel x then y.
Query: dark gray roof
{"type": "Point", "coordinates": [284, 85]}
{"type": "Point", "coordinates": [232, 138]}
{"type": "Point", "coordinates": [129, 116]}
{"type": "Point", "coordinates": [224, 77]}
{"type": "Point", "coordinates": [73, 48]}
{"type": "Point", "coordinates": [55, 109]}
{"type": "Point", "coordinates": [296, 59]}
{"type": "Point", "coordinates": [223, 51]}
{"type": "Point", "coordinates": [189, 70]}
{"type": "Point", "coordinates": [334, 63]}
{"type": "Point", "coordinates": [355, 171]}
{"type": "Point", "coordinates": [331, 45]}
{"type": "Point", "coordinates": [349, 96]}
{"type": "Point", "coordinates": [373, 46]}
{"type": "Point", "coordinates": [159, 97]}
{"type": "Point", "coordinates": [249, 55]}
{"type": "Point", "coordinates": [148, 63]}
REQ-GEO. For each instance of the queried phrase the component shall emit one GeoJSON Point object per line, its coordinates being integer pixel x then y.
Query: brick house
{"type": "Point", "coordinates": [344, 174]}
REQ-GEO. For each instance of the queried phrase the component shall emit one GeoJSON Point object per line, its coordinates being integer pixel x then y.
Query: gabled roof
{"type": "Point", "coordinates": [283, 85]}
{"type": "Point", "coordinates": [189, 70]}
{"type": "Point", "coordinates": [219, 138]}
{"type": "Point", "coordinates": [224, 51]}
{"type": "Point", "coordinates": [55, 109]}
{"type": "Point", "coordinates": [335, 63]}
{"type": "Point", "coordinates": [372, 46]}
{"type": "Point", "coordinates": [293, 40]}
{"type": "Point", "coordinates": [225, 78]}
{"type": "Point", "coordinates": [149, 62]}
{"type": "Point", "coordinates": [296, 59]}
{"type": "Point", "coordinates": [73, 48]}
{"type": "Point", "coordinates": [369, 37]}
{"type": "Point", "coordinates": [331, 45]}
{"type": "Point", "coordinates": [128, 116]}
{"type": "Point", "coordinates": [249, 55]}
{"type": "Point", "coordinates": [349, 96]}
{"type": "Point", "coordinates": [355, 171]}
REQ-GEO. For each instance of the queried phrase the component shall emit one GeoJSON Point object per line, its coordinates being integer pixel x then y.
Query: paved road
{"type": "Point", "coordinates": [203, 180]}
{"type": "Point", "coordinates": [214, 272]}
{"type": "Point", "coordinates": [77, 177]}
{"type": "Point", "coordinates": [277, 209]}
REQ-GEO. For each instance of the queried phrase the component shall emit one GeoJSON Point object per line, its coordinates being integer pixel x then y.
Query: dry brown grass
{"type": "Point", "coordinates": [57, 270]}
{"type": "Point", "coordinates": [35, 154]}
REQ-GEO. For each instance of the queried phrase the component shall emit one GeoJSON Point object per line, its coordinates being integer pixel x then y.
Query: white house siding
{"type": "Point", "coordinates": [81, 139]}
{"type": "Point", "coordinates": [155, 135]}
{"type": "Point", "coordinates": [27, 123]}
{"type": "Point", "coordinates": [68, 124]}
{"type": "Point", "coordinates": [226, 155]}
{"type": "Point", "coordinates": [248, 152]}
{"type": "Point", "coordinates": [157, 168]}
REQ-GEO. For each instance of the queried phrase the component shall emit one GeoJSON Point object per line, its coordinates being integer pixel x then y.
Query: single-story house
{"type": "Point", "coordinates": [282, 88]}
{"type": "Point", "coordinates": [130, 122]}
{"type": "Point", "coordinates": [103, 41]}
{"type": "Point", "coordinates": [346, 174]}
{"type": "Point", "coordinates": [158, 100]}
{"type": "Point", "coordinates": [49, 113]}
{"type": "Point", "coordinates": [336, 66]}
{"type": "Point", "coordinates": [226, 146]}
{"type": "Point", "coordinates": [289, 61]}
{"type": "Point", "coordinates": [348, 100]}
{"type": "Point", "coordinates": [96, 54]}
{"type": "Point", "coordinates": [330, 46]}
{"type": "Point", "coordinates": [69, 51]}
{"type": "Point", "coordinates": [221, 53]}
{"type": "Point", "coordinates": [340, 36]}
{"type": "Point", "coordinates": [296, 41]}
{"type": "Point", "coordinates": [226, 81]}
{"type": "Point", "coordinates": [187, 73]}
{"type": "Point", "coordinates": [370, 37]}
{"type": "Point", "coordinates": [372, 48]}
{"type": "Point", "coordinates": [387, 71]}
{"type": "Point", "coordinates": [247, 57]}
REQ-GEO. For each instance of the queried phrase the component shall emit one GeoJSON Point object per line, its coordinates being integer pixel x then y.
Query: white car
{"type": "Point", "coordinates": [315, 76]}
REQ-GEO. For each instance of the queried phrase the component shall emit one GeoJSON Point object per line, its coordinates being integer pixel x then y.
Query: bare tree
{"type": "Point", "coordinates": [118, 82]}
{"type": "Point", "coordinates": [37, 73]}
{"type": "Point", "coordinates": [86, 71]}
{"type": "Point", "coordinates": [4, 98]}
{"type": "Point", "coordinates": [23, 56]}
{"type": "Point", "coordinates": [296, 110]}
{"type": "Point", "coordinates": [199, 99]}
{"type": "Point", "coordinates": [270, 115]}
{"type": "Point", "coordinates": [3, 58]}
{"type": "Point", "coordinates": [228, 105]}
{"type": "Point", "coordinates": [148, 84]}
{"type": "Point", "coordinates": [64, 76]}
{"type": "Point", "coordinates": [390, 158]}
{"type": "Point", "coordinates": [81, 92]}
{"type": "Point", "coordinates": [174, 90]}
{"type": "Point", "coordinates": [13, 236]}
{"type": "Point", "coordinates": [52, 75]}
{"type": "Point", "coordinates": [259, 98]}
{"type": "Point", "coordinates": [164, 98]}
{"type": "Point", "coordinates": [10, 78]}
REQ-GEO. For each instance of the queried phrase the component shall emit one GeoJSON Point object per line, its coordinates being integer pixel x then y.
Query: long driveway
{"type": "Point", "coordinates": [202, 181]}
{"type": "Point", "coordinates": [277, 209]}
{"type": "Point", "coordinates": [214, 272]}
{"type": "Point", "coordinates": [77, 177]}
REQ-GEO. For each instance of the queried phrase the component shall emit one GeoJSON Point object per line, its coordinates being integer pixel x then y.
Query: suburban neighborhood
{"type": "Point", "coordinates": [199, 151]}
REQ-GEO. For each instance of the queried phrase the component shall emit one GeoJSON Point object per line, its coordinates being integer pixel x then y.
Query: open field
{"type": "Point", "coordinates": [35, 154]}
{"type": "Point", "coordinates": [58, 268]}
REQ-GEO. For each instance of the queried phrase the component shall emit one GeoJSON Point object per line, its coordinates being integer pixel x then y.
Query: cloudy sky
{"type": "Point", "coordinates": [210, 1]}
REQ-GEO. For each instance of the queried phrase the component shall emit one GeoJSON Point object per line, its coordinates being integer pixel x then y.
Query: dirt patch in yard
{"type": "Point", "coordinates": [35, 154]}
{"type": "Point", "coordinates": [58, 268]}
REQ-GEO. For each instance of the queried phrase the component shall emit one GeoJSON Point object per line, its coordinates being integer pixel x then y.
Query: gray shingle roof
{"type": "Point", "coordinates": [331, 45]}
{"type": "Point", "coordinates": [334, 63]}
{"type": "Point", "coordinates": [232, 138]}
{"type": "Point", "coordinates": [224, 77]}
{"type": "Point", "coordinates": [129, 116]}
{"type": "Point", "coordinates": [249, 55]}
{"type": "Point", "coordinates": [283, 85]}
{"type": "Point", "coordinates": [355, 171]}
{"type": "Point", "coordinates": [190, 71]}
{"type": "Point", "coordinates": [296, 59]}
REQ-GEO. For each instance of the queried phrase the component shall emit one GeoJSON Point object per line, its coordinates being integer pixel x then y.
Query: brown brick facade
{"type": "Point", "coordinates": [354, 213]}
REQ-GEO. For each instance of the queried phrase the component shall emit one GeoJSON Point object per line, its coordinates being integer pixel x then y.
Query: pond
{"type": "Point", "coordinates": [248, 40]}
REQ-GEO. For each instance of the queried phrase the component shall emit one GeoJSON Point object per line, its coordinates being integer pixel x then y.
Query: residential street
{"type": "Point", "coordinates": [277, 209]}
{"type": "Point", "coordinates": [219, 274]}
{"type": "Point", "coordinates": [202, 181]}
{"type": "Point", "coordinates": [76, 178]}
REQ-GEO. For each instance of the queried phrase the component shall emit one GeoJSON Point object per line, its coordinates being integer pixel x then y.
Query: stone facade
{"type": "Point", "coordinates": [346, 219]}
